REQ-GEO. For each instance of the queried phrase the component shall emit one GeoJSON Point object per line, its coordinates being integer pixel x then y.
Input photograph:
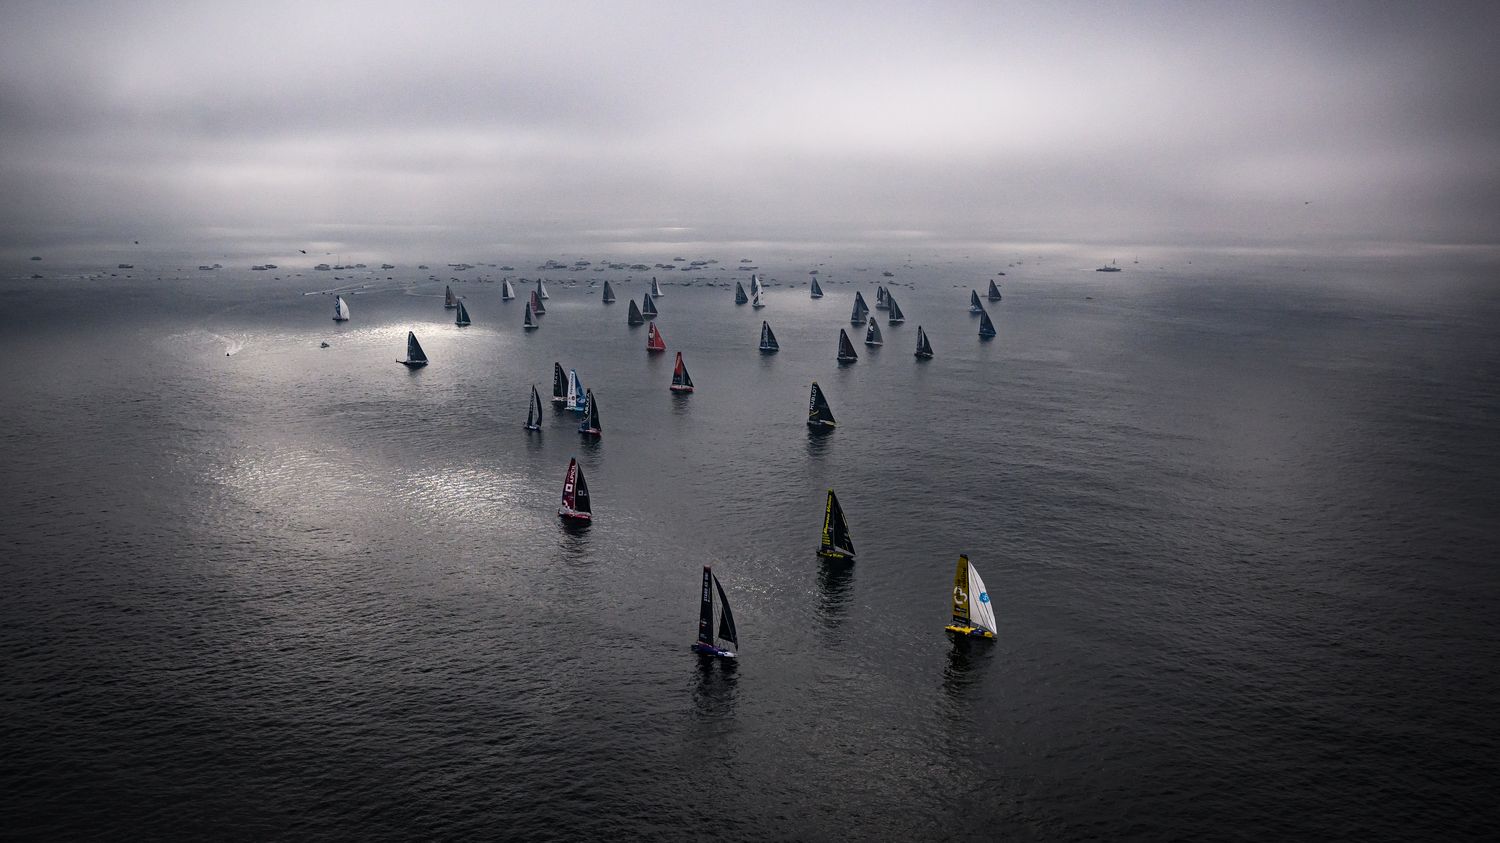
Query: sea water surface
{"type": "Point", "coordinates": [1237, 522]}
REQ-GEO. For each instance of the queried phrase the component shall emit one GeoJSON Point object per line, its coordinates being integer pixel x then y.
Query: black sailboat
{"type": "Point", "coordinates": [559, 384]}
{"type": "Point", "coordinates": [530, 323]}
{"type": "Point", "coordinates": [986, 327]}
{"type": "Point", "coordinates": [819, 415]}
{"type": "Point", "coordinates": [648, 305]}
{"type": "Point", "coordinates": [846, 348]}
{"type": "Point", "coordinates": [924, 348]}
{"type": "Point", "coordinates": [590, 424]}
{"type": "Point", "coordinates": [739, 294]}
{"type": "Point", "coordinates": [817, 292]}
{"type": "Point", "coordinates": [836, 542]}
{"type": "Point", "coordinates": [450, 301]}
{"type": "Point", "coordinates": [861, 310]}
{"type": "Point", "coordinates": [415, 357]}
{"type": "Point", "coordinates": [575, 497]}
{"type": "Point", "coordinates": [896, 317]}
{"type": "Point", "coordinates": [681, 380]}
{"type": "Point", "coordinates": [994, 293]}
{"type": "Point", "coordinates": [768, 344]}
{"type": "Point", "coordinates": [882, 298]}
{"type": "Point", "coordinates": [461, 319]}
{"type": "Point", "coordinates": [534, 410]}
{"type": "Point", "coordinates": [707, 644]}
{"type": "Point", "coordinates": [872, 334]}
{"type": "Point", "coordinates": [974, 305]}
{"type": "Point", "coordinates": [655, 288]}
{"type": "Point", "coordinates": [635, 317]}
{"type": "Point", "coordinates": [609, 294]}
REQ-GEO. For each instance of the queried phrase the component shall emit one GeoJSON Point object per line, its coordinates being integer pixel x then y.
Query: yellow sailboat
{"type": "Point", "coordinates": [973, 614]}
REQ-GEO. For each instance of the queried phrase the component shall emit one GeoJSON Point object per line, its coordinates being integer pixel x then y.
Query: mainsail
{"type": "Point", "coordinates": [462, 318]}
{"type": "Point", "coordinates": [559, 384]}
{"type": "Point", "coordinates": [654, 341]}
{"type": "Point", "coordinates": [575, 496]}
{"type": "Point", "coordinates": [681, 380]}
{"type": "Point", "coordinates": [340, 309]}
{"type": "Point", "coordinates": [924, 348]}
{"type": "Point", "coordinates": [534, 410]}
{"type": "Point", "coordinates": [974, 305]}
{"type": "Point", "coordinates": [986, 327]}
{"type": "Point", "coordinates": [578, 400]}
{"type": "Point", "coordinates": [768, 342]}
{"type": "Point", "coordinates": [635, 317]}
{"type": "Point", "coordinates": [739, 293]}
{"type": "Point", "coordinates": [994, 293]}
{"type": "Point", "coordinates": [872, 334]}
{"type": "Point", "coordinates": [707, 643]}
{"type": "Point", "coordinates": [648, 305]}
{"type": "Point", "coordinates": [450, 301]}
{"type": "Point", "coordinates": [609, 293]}
{"type": "Point", "coordinates": [819, 415]}
{"type": "Point", "coordinates": [590, 424]}
{"type": "Point", "coordinates": [817, 292]}
{"type": "Point", "coordinates": [846, 348]}
{"type": "Point", "coordinates": [414, 354]}
{"type": "Point", "coordinates": [861, 310]}
{"type": "Point", "coordinates": [973, 613]}
{"type": "Point", "coordinates": [896, 316]}
{"type": "Point", "coordinates": [836, 542]}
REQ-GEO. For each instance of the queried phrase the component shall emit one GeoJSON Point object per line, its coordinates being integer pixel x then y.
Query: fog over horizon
{"type": "Point", "coordinates": [447, 128]}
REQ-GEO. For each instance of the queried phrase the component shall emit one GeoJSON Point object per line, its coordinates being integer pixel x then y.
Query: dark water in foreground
{"type": "Point", "coordinates": [1238, 527]}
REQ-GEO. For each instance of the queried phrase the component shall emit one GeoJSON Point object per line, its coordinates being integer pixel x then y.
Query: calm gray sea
{"type": "Point", "coordinates": [1237, 519]}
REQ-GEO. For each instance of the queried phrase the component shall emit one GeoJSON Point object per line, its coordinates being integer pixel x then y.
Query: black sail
{"type": "Point", "coordinates": [994, 292]}
{"type": "Point", "coordinates": [739, 293]}
{"type": "Point", "coordinates": [609, 293]}
{"type": "Point", "coordinates": [726, 617]}
{"type": "Point", "coordinates": [635, 317]}
{"type": "Point", "coordinates": [414, 351]}
{"type": "Point", "coordinates": [896, 316]}
{"type": "Point", "coordinates": [706, 609]}
{"type": "Point", "coordinates": [818, 412]}
{"type": "Point", "coordinates": [817, 292]}
{"type": "Point", "coordinates": [986, 327]}
{"type": "Point", "coordinates": [835, 528]}
{"type": "Point", "coordinates": [648, 305]}
{"type": "Point", "coordinates": [581, 494]}
{"type": "Point", "coordinates": [846, 348]}
{"type": "Point", "coordinates": [768, 339]}
{"type": "Point", "coordinates": [559, 383]}
{"type": "Point", "coordinates": [861, 310]}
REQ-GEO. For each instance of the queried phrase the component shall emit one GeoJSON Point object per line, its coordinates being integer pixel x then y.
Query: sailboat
{"type": "Point", "coordinates": [707, 644]}
{"type": "Point", "coordinates": [986, 327]}
{"type": "Point", "coordinates": [559, 384]}
{"type": "Point", "coordinates": [872, 334]}
{"type": "Point", "coordinates": [590, 424]}
{"type": "Point", "coordinates": [534, 410]}
{"type": "Point", "coordinates": [973, 613]}
{"type": "Point", "coordinates": [882, 298]}
{"type": "Point", "coordinates": [340, 309]}
{"type": "Point", "coordinates": [462, 319]}
{"type": "Point", "coordinates": [541, 289]}
{"type": "Point", "coordinates": [819, 415]}
{"type": "Point", "coordinates": [578, 400]}
{"type": "Point", "coordinates": [635, 317]}
{"type": "Point", "coordinates": [654, 341]}
{"type": "Point", "coordinates": [681, 380]}
{"type": "Point", "coordinates": [450, 301]}
{"type": "Point", "coordinates": [575, 495]}
{"type": "Point", "coordinates": [817, 292]}
{"type": "Point", "coordinates": [415, 357]}
{"type": "Point", "coordinates": [530, 323]}
{"type": "Point", "coordinates": [924, 348]}
{"type": "Point", "coordinates": [536, 304]}
{"type": "Point", "coordinates": [755, 298]}
{"type": "Point", "coordinates": [846, 348]}
{"type": "Point", "coordinates": [861, 310]}
{"type": "Point", "coordinates": [836, 542]}
{"type": "Point", "coordinates": [655, 288]}
{"type": "Point", "coordinates": [768, 343]}
{"type": "Point", "coordinates": [648, 305]}
{"type": "Point", "coordinates": [609, 293]}
{"type": "Point", "coordinates": [974, 305]}
{"type": "Point", "coordinates": [994, 291]}
{"type": "Point", "coordinates": [739, 293]}
{"type": "Point", "coordinates": [896, 317]}
{"type": "Point", "coordinates": [507, 292]}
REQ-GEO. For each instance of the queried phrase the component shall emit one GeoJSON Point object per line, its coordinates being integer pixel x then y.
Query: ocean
{"type": "Point", "coordinates": [1236, 518]}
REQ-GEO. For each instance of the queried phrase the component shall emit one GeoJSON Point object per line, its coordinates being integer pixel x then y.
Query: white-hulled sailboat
{"type": "Point", "coordinates": [450, 301]}
{"type": "Point", "coordinates": [707, 643]}
{"type": "Point", "coordinates": [648, 306]}
{"type": "Point", "coordinates": [816, 291]}
{"type": "Point", "coordinates": [768, 343]}
{"type": "Point", "coordinates": [530, 323]}
{"type": "Point", "coordinates": [507, 292]}
{"type": "Point", "coordinates": [872, 334]}
{"type": "Point", "coordinates": [609, 294]}
{"type": "Point", "coordinates": [973, 613]}
{"type": "Point", "coordinates": [974, 305]}
{"type": "Point", "coordinates": [541, 289]}
{"type": "Point", "coordinates": [461, 319]}
{"type": "Point", "coordinates": [882, 298]}
{"type": "Point", "coordinates": [655, 288]}
{"type": "Point", "coordinates": [578, 400]}
{"type": "Point", "coordinates": [924, 346]}
{"type": "Point", "coordinates": [340, 309]}
{"type": "Point", "coordinates": [895, 316]}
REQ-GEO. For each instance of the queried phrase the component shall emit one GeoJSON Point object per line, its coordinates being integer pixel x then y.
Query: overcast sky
{"type": "Point", "coordinates": [494, 127]}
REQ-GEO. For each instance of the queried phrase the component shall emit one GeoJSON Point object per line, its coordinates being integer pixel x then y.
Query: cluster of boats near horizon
{"type": "Point", "coordinates": [973, 614]}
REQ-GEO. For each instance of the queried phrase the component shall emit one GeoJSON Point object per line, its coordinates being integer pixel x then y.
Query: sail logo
{"type": "Point", "coordinates": [984, 597]}
{"type": "Point", "coordinates": [961, 597]}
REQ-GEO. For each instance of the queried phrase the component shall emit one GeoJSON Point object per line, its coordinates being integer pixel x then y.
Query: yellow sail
{"type": "Point", "coordinates": [962, 585]}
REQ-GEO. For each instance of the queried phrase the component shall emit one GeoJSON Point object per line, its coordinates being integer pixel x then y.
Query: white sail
{"type": "Point", "coordinates": [541, 289]}
{"type": "Point", "coordinates": [981, 610]}
{"type": "Point", "coordinates": [573, 390]}
{"type": "Point", "coordinates": [507, 292]}
{"type": "Point", "coordinates": [340, 309]}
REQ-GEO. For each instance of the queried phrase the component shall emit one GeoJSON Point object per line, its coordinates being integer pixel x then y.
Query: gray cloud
{"type": "Point", "coordinates": [468, 125]}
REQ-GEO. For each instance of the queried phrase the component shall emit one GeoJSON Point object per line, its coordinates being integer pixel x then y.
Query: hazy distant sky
{"type": "Point", "coordinates": [501, 126]}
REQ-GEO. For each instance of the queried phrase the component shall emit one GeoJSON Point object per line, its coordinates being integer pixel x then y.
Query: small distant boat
{"type": "Point", "coordinates": [872, 334]}
{"type": "Point", "coordinates": [654, 341]}
{"type": "Point", "coordinates": [340, 309]}
{"type": "Point", "coordinates": [575, 496]}
{"type": "Point", "coordinates": [861, 310]}
{"type": "Point", "coordinates": [846, 348]}
{"type": "Point", "coordinates": [1110, 268]}
{"type": "Point", "coordinates": [974, 305]}
{"type": "Point", "coordinates": [924, 348]}
{"type": "Point", "coordinates": [707, 644]}
{"type": "Point", "coordinates": [986, 327]}
{"type": "Point", "coordinates": [462, 319]}
{"type": "Point", "coordinates": [896, 317]}
{"type": "Point", "coordinates": [994, 293]}
{"type": "Point", "coordinates": [817, 292]}
{"type": "Point", "coordinates": [819, 415]}
{"type": "Point", "coordinates": [541, 289]}
{"type": "Point", "coordinates": [415, 357]}
{"type": "Point", "coordinates": [530, 322]}
{"type": "Point", "coordinates": [739, 294]}
{"type": "Point", "coordinates": [578, 399]}
{"type": "Point", "coordinates": [768, 343]}
{"type": "Point", "coordinates": [507, 292]}
{"type": "Point", "coordinates": [559, 384]}
{"type": "Point", "coordinates": [536, 304]}
{"type": "Point", "coordinates": [534, 410]}
{"type": "Point", "coordinates": [609, 293]}
{"type": "Point", "coordinates": [450, 301]}
{"type": "Point", "coordinates": [655, 287]}
{"type": "Point", "coordinates": [590, 424]}
{"type": "Point", "coordinates": [681, 380]}
{"type": "Point", "coordinates": [648, 306]}
{"type": "Point", "coordinates": [973, 613]}
{"type": "Point", "coordinates": [882, 298]}
{"type": "Point", "coordinates": [635, 317]}
{"type": "Point", "coordinates": [836, 542]}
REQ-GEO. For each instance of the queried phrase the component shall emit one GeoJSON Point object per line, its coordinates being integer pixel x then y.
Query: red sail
{"type": "Point", "coordinates": [570, 486]}
{"type": "Point", "coordinates": [654, 341]}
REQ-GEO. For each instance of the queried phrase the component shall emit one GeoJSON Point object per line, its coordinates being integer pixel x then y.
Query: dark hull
{"type": "Point", "coordinates": [412, 364]}
{"type": "Point", "coordinates": [710, 650]}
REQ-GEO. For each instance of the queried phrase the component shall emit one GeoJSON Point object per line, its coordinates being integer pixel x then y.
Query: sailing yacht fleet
{"type": "Point", "coordinates": [972, 611]}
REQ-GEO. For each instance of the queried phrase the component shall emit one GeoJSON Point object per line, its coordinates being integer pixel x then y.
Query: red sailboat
{"type": "Point", "coordinates": [654, 342]}
{"type": "Point", "coordinates": [575, 496]}
{"type": "Point", "coordinates": [681, 380]}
